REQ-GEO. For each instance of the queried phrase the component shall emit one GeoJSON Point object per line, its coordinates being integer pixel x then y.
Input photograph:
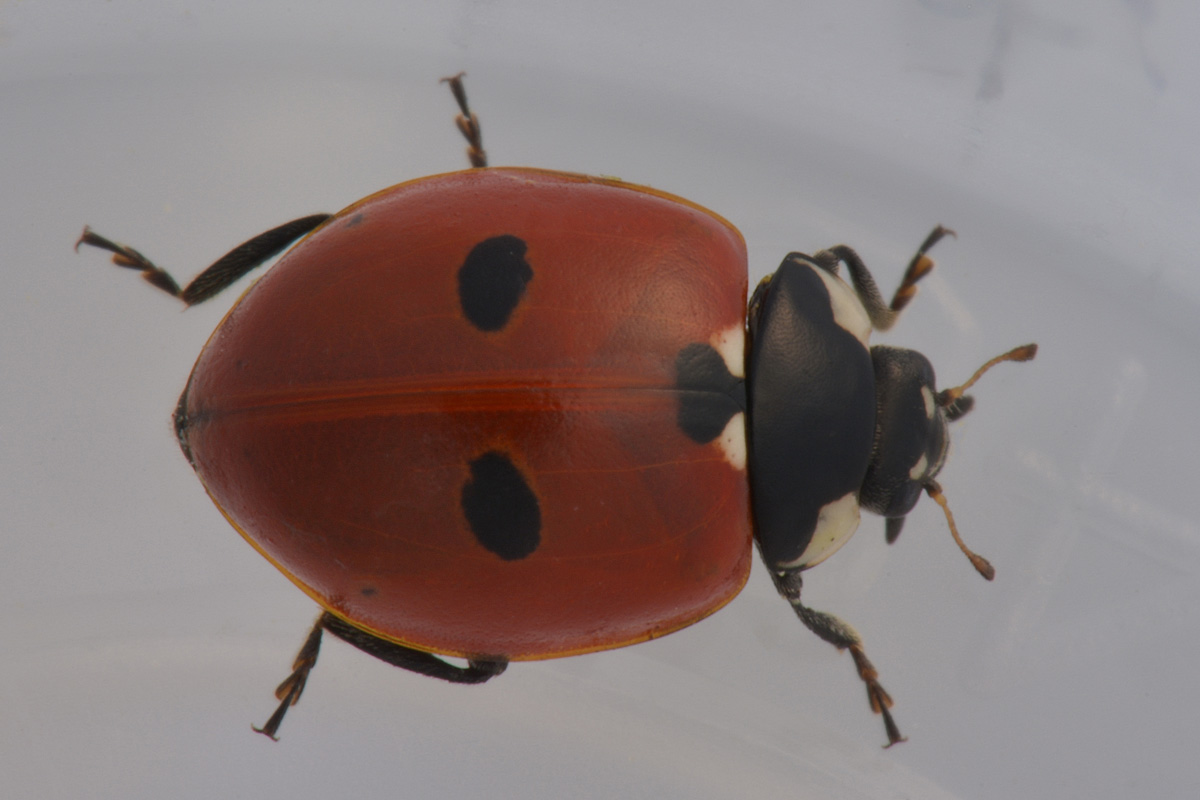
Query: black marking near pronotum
{"type": "Point", "coordinates": [492, 281]}
{"type": "Point", "coordinates": [501, 510]}
{"type": "Point", "coordinates": [709, 395]}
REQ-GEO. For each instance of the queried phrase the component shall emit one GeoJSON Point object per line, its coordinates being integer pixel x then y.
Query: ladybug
{"type": "Point", "coordinates": [507, 414]}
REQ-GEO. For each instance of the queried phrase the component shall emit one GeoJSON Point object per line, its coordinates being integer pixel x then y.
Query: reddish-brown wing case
{"type": "Point", "coordinates": [334, 413]}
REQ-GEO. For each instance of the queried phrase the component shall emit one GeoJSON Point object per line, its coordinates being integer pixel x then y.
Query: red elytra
{"type": "Point", "coordinates": [333, 415]}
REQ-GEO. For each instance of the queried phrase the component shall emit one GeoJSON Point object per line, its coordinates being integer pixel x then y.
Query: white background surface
{"type": "Point", "coordinates": [141, 636]}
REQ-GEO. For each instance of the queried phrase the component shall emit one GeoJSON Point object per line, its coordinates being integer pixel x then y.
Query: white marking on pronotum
{"type": "Point", "coordinates": [836, 523]}
{"type": "Point", "coordinates": [930, 401]}
{"type": "Point", "coordinates": [848, 311]}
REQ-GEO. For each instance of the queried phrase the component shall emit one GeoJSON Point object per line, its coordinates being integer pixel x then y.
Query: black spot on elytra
{"type": "Point", "coordinates": [709, 395]}
{"type": "Point", "coordinates": [501, 510]}
{"type": "Point", "coordinates": [369, 591]}
{"type": "Point", "coordinates": [491, 282]}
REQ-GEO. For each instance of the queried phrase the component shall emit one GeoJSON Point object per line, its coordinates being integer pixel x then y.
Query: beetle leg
{"type": "Point", "coordinates": [288, 692]}
{"type": "Point", "coordinates": [223, 272]}
{"type": "Point", "coordinates": [884, 316]}
{"type": "Point", "coordinates": [476, 671]}
{"type": "Point", "coordinates": [920, 266]}
{"type": "Point", "coordinates": [842, 636]}
{"type": "Point", "coordinates": [467, 122]}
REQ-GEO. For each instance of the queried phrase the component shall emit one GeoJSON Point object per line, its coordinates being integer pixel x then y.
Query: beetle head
{"type": "Point", "coordinates": [912, 436]}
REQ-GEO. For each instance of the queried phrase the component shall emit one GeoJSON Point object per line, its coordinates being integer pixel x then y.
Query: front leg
{"type": "Point", "coordinates": [883, 315]}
